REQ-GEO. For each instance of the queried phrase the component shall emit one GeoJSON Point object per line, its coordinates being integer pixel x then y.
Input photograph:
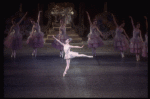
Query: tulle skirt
{"type": "Point", "coordinates": [36, 40]}
{"type": "Point", "coordinates": [94, 41]}
{"type": "Point", "coordinates": [62, 38]}
{"type": "Point", "coordinates": [13, 41]}
{"type": "Point", "coordinates": [121, 43]}
{"type": "Point", "coordinates": [145, 49]}
{"type": "Point", "coordinates": [71, 55]}
{"type": "Point", "coordinates": [136, 45]}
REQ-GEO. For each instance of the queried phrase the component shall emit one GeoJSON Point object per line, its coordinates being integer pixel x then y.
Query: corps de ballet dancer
{"type": "Point", "coordinates": [62, 36]}
{"type": "Point", "coordinates": [120, 41]}
{"type": "Point", "coordinates": [70, 54]}
{"type": "Point", "coordinates": [136, 41]}
{"type": "Point", "coordinates": [145, 43]}
{"type": "Point", "coordinates": [94, 40]}
{"type": "Point", "coordinates": [35, 40]}
{"type": "Point", "coordinates": [14, 38]}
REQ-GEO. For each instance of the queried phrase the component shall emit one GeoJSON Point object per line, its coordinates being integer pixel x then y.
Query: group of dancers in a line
{"type": "Point", "coordinates": [61, 41]}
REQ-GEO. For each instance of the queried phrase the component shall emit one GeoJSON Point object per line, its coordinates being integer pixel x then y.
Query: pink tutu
{"type": "Point", "coordinates": [71, 55]}
{"type": "Point", "coordinates": [135, 45]}
{"type": "Point", "coordinates": [62, 38]}
{"type": "Point", "coordinates": [35, 40]}
{"type": "Point", "coordinates": [145, 49]}
{"type": "Point", "coordinates": [94, 41]}
{"type": "Point", "coordinates": [121, 43]}
{"type": "Point", "coordinates": [13, 41]}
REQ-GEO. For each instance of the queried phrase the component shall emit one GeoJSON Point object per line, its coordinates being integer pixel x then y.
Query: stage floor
{"type": "Point", "coordinates": [105, 76]}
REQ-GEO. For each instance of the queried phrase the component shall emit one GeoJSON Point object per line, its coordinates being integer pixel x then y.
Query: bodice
{"type": "Point", "coordinates": [119, 31]}
{"type": "Point", "coordinates": [66, 49]}
{"type": "Point", "coordinates": [136, 33]}
{"type": "Point", "coordinates": [16, 28]}
{"type": "Point", "coordinates": [36, 27]}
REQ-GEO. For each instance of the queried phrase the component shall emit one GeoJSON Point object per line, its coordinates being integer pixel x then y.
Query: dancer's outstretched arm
{"type": "Point", "coordinates": [132, 22]}
{"type": "Point", "coordinates": [58, 40]}
{"type": "Point", "coordinates": [126, 34]}
{"type": "Point", "coordinates": [10, 29]}
{"type": "Point", "coordinates": [22, 18]}
{"type": "Point", "coordinates": [89, 18]}
{"type": "Point", "coordinates": [146, 23]}
{"type": "Point", "coordinates": [76, 46]}
{"type": "Point", "coordinates": [141, 36]}
{"type": "Point", "coordinates": [38, 20]}
{"type": "Point", "coordinates": [115, 21]}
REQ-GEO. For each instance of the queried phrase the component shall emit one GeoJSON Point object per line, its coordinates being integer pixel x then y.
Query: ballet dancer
{"type": "Point", "coordinates": [62, 36]}
{"type": "Point", "coordinates": [120, 41]}
{"type": "Point", "coordinates": [136, 40]}
{"type": "Point", "coordinates": [145, 44]}
{"type": "Point", "coordinates": [94, 40]}
{"type": "Point", "coordinates": [14, 38]}
{"type": "Point", "coordinates": [70, 54]}
{"type": "Point", "coordinates": [35, 40]}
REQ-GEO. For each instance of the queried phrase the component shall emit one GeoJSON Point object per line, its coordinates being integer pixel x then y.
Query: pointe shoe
{"type": "Point", "coordinates": [64, 74]}
{"type": "Point", "coordinates": [122, 55]}
{"type": "Point", "coordinates": [12, 55]}
{"type": "Point", "coordinates": [33, 54]}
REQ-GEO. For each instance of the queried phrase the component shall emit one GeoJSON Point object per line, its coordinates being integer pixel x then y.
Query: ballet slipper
{"type": "Point", "coordinates": [12, 54]}
{"type": "Point", "coordinates": [64, 74]}
{"type": "Point", "coordinates": [122, 54]}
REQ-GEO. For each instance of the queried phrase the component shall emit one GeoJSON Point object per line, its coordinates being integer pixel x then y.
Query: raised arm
{"type": "Point", "coordinates": [141, 36]}
{"type": "Point", "coordinates": [11, 29]}
{"type": "Point", "coordinates": [126, 34]}
{"type": "Point", "coordinates": [89, 18]}
{"type": "Point", "coordinates": [132, 21]}
{"type": "Point", "coordinates": [22, 18]}
{"type": "Point", "coordinates": [146, 23]}
{"type": "Point", "coordinates": [115, 21]}
{"type": "Point", "coordinates": [58, 40]}
{"type": "Point", "coordinates": [76, 46]}
{"type": "Point", "coordinates": [38, 20]}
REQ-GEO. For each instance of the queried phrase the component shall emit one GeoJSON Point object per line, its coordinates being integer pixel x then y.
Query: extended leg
{"type": "Point", "coordinates": [35, 52]}
{"type": "Point", "coordinates": [83, 55]}
{"type": "Point", "coordinates": [137, 57]}
{"type": "Point", "coordinates": [122, 54]}
{"type": "Point", "coordinates": [12, 53]}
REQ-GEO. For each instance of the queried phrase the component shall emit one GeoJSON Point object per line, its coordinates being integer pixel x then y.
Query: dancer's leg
{"type": "Point", "coordinates": [137, 57]}
{"type": "Point", "coordinates": [94, 51]}
{"type": "Point", "coordinates": [35, 52]}
{"type": "Point", "coordinates": [67, 66]}
{"type": "Point", "coordinates": [60, 53]}
{"type": "Point", "coordinates": [83, 55]}
{"type": "Point", "coordinates": [122, 54]}
{"type": "Point", "coordinates": [12, 54]}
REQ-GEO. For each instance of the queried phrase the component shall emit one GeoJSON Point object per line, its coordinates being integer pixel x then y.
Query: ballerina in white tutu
{"type": "Point", "coordinates": [70, 54]}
